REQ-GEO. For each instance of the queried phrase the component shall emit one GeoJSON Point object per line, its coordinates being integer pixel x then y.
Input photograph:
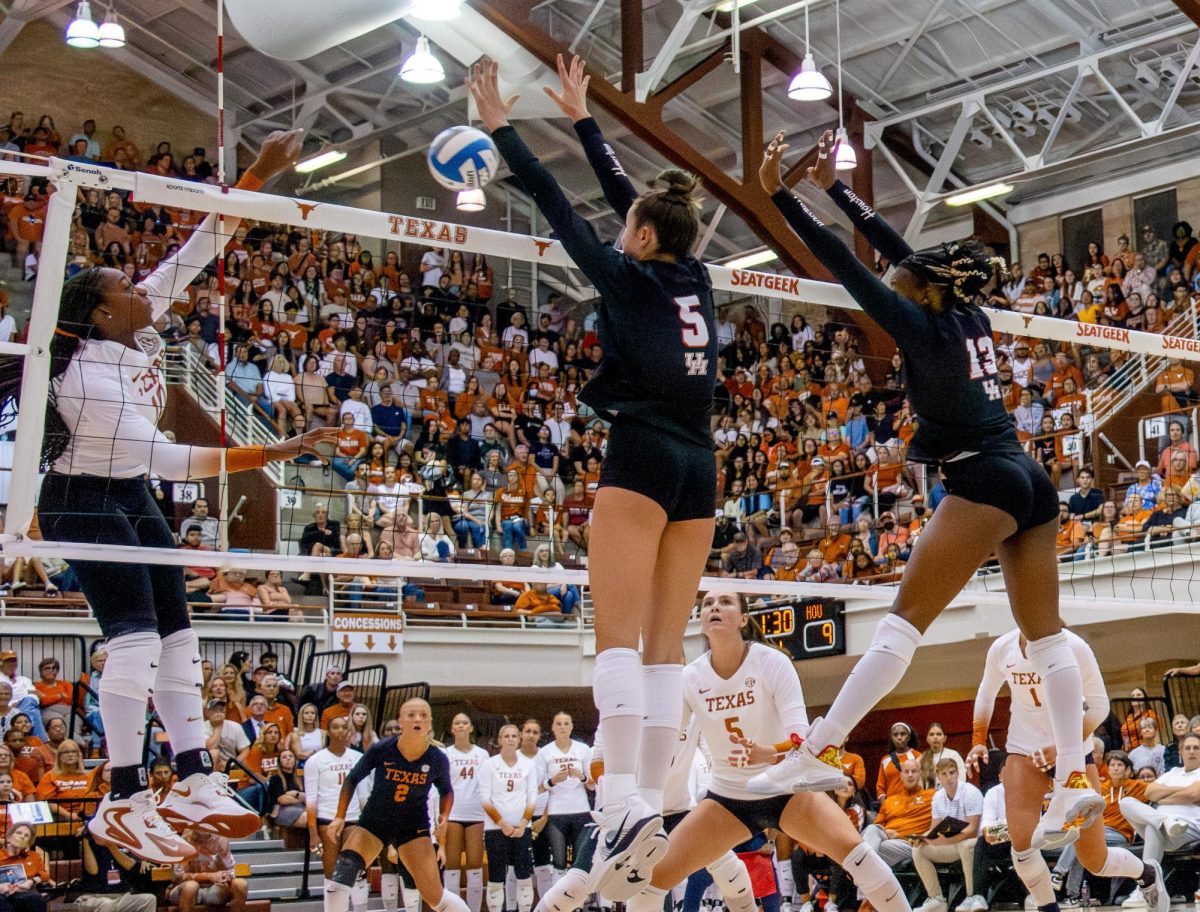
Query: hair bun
{"type": "Point", "coordinates": [678, 183]}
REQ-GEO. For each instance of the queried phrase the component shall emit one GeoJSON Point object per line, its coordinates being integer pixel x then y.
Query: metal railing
{"type": "Point", "coordinates": [1108, 399]}
{"type": "Point", "coordinates": [321, 660]}
{"type": "Point", "coordinates": [218, 650]}
{"type": "Point", "coordinates": [396, 696]}
{"type": "Point", "coordinates": [370, 686]}
{"type": "Point", "coordinates": [1182, 695]}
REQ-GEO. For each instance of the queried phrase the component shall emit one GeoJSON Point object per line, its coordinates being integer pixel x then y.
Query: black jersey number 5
{"type": "Point", "coordinates": [694, 329]}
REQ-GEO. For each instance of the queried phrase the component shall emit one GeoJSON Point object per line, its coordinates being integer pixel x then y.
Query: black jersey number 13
{"type": "Point", "coordinates": [982, 357]}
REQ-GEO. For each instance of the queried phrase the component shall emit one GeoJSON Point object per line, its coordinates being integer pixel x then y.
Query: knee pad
{"type": "Point", "coordinates": [732, 880]}
{"type": "Point", "coordinates": [617, 685]}
{"type": "Point", "coordinates": [348, 867]}
{"type": "Point", "coordinates": [179, 664]}
{"type": "Point", "coordinates": [134, 658]}
{"type": "Point", "coordinates": [874, 878]}
{"type": "Point", "coordinates": [389, 889]}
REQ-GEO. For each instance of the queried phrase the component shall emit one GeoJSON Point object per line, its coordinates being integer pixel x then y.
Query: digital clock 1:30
{"type": "Point", "coordinates": [805, 628]}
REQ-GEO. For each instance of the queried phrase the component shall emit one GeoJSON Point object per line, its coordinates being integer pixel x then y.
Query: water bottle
{"type": "Point", "coordinates": [1085, 894]}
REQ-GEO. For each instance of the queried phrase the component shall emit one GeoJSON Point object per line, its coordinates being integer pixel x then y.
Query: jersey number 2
{"type": "Point", "coordinates": [694, 329]}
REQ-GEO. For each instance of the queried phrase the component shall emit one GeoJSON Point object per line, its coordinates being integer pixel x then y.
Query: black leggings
{"type": "Point", "coordinates": [126, 598]}
{"type": "Point", "coordinates": [505, 851]}
{"type": "Point", "coordinates": [565, 830]}
{"type": "Point", "coordinates": [841, 887]}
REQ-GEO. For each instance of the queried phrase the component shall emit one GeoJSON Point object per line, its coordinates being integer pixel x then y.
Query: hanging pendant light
{"type": "Point", "coordinates": [470, 201]}
{"type": "Point", "coordinates": [845, 158]}
{"type": "Point", "coordinates": [810, 83]}
{"type": "Point", "coordinates": [421, 67]}
{"type": "Point", "coordinates": [83, 31]}
{"type": "Point", "coordinates": [112, 33]}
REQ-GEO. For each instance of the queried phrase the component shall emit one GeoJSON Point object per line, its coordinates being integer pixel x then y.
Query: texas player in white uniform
{"type": "Point", "coordinates": [1027, 773]}
{"type": "Point", "coordinates": [563, 766]}
{"type": "Point", "coordinates": [106, 395]}
{"type": "Point", "coordinates": [746, 692]}
{"type": "Point", "coordinates": [508, 792]}
{"type": "Point", "coordinates": [324, 773]}
{"type": "Point", "coordinates": [464, 833]}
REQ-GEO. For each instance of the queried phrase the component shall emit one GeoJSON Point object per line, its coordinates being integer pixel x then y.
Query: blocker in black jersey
{"type": "Point", "coordinates": [398, 809]}
{"type": "Point", "coordinates": [950, 363]}
{"type": "Point", "coordinates": [657, 329]}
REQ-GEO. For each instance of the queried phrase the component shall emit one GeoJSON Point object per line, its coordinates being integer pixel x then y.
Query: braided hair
{"type": "Point", "coordinates": [81, 295]}
{"type": "Point", "coordinates": [963, 266]}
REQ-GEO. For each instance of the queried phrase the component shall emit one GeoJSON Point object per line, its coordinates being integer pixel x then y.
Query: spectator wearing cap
{"type": "Point", "coordinates": [24, 696]}
{"type": "Point", "coordinates": [343, 705]}
{"type": "Point", "coordinates": [890, 533]}
{"type": "Point", "coordinates": [1022, 364]}
{"type": "Point", "coordinates": [813, 492]}
{"type": "Point", "coordinates": [323, 694]}
{"type": "Point", "coordinates": [743, 559]}
{"type": "Point", "coordinates": [782, 559]}
{"type": "Point", "coordinates": [817, 569]}
{"type": "Point", "coordinates": [921, 516]}
{"type": "Point", "coordinates": [1147, 485]}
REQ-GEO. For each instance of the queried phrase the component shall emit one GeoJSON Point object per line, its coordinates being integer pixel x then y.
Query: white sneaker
{"type": "Point", "coordinates": [1030, 903]}
{"type": "Point", "coordinates": [631, 843]}
{"type": "Point", "coordinates": [207, 803]}
{"type": "Point", "coordinates": [1073, 806]}
{"type": "Point", "coordinates": [932, 904]}
{"type": "Point", "coordinates": [808, 906]}
{"type": "Point", "coordinates": [1136, 900]}
{"type": "Point", "coordinates": [975, 903]}
{"type": "Point", "coordinates": [801, 771]}
{"type": "Point", "coordinates": [133, 825]}
{"type": "Point", "coordinates": [1175, 826]}
{"type": "Point", "coordinates": [1156, 895]}
{"type": "Point", "coordinates": [786, 906]}
{"type": "Point", "coordinates": [1056, 879]}
{"type": "Point", "coordinates": [831, 907]}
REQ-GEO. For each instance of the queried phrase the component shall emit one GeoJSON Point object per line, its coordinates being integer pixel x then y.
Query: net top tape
{"type": "Point", "coordinates": [152, 188]}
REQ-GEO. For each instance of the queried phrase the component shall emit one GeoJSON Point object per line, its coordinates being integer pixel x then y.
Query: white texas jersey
{"type": "Point", "coordinates": [543, 796]}
{"type": "Point", "coordinates": [324, 773]}
{"type": "Point", "coordinates": [761, 701]}
{"type": "Point", "coordinates": [570, 795]}
{"type": "Point", "coordinates": [509, 789]}
{"type": "Point", "coordinates": [1029, 727]}
{"type": "Point", "coordinates": [464, 771]}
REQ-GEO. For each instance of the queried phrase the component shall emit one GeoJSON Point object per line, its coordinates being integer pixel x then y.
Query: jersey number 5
{"type": "Point", "coordinates": [694, 329]}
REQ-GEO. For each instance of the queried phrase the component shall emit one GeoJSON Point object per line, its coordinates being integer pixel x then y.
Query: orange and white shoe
{"type": "Point", "coordinates": [133, 825]}
{"type": "Point", "coordinates": [205, 802]}
{"type": "Point", "coordinates": [1073, 805]}
{"type": "Point", "coordinates": [801, 770]}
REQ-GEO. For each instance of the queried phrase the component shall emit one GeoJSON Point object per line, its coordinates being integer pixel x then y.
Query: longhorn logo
{"type": "Point", "coordinates": [1027, 319]}
{"type": "Point", "coordinates": [542, 247]}
{"type": "Point", "coordinates": [305, 209]}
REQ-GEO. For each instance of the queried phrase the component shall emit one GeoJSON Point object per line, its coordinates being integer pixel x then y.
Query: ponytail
{"type": "Point", "coordinates": [671, 208]}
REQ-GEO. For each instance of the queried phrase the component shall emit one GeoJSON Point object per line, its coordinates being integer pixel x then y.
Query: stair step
{"type": "Point", "coordinates": [255, 845]}
{"type": "Point", "coordinates": [294, 857]}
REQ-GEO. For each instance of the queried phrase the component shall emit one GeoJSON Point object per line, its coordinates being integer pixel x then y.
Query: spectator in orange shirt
{"type": "Point", "coordinates": [68, 779]}
{"type": "Point", "coordinates": [23, 785]}
{"type": "Point", "coordinates": [343, 706]}
{"type": "Point", "coordinates": [18, 849]}
{"type": "Point", "coordinates": [1071, 534]}
{"type": "Point", "coordinates": [277, 711]}
{"type": "Point", "coordinates": [25, 758]}
{"type": "Point", "coordinates": [836, 543]}
{"type": "Point", "coordinates": [906, 812]}
{"type": "Point", "coordinates": [854, 768]}
{"type": "Point", "coordinates": [351, 446]}
{"type": "Point", "coordinates": [511, 516]}
{"type": "Point", "coordinates": [890, 533]}
{"type": "Point", "coordinates": [55, 696]}
{"type": "Point", "coordinates": [903, 738]}
{"type": "Point", "coordinates": [1175, 444]}
{"type": "Point", "coordinates": [536, 600]}
{"type": "Point", "coordinates": [1176, 384]}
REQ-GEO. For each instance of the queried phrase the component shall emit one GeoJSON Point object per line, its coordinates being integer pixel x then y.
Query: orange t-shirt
{"type": "Point", "coordinates": [31, 861]}
{"type": "Point", "coordinates": [53, 694]}
{"type": "Point", "coordinates": [336, 711]}
{"type": "Point", "coordinates": [908, 813]}
{"type": "Point", "coordinates": [511, 504]}
{"type": "Point", "coordinates": [281, 715]}
{"type": "Point", "coordinates": [56, 786]}
{"type": "Point", "coordinates": [23, 784]}
{"type": "Point", "coordinates": [528, 475]}
{"type": "Point", "coordinates": [854, 767]}
{"type": "Point", "coordinates": [350, 443]}
{"type": "Point", "coordinates": [1133, 788]}
{"type": "Point", "coordinates": [888, 781]}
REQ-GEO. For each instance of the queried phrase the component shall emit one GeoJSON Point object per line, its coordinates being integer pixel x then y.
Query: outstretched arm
{"type": "Point", "coordinates": [572, 101]}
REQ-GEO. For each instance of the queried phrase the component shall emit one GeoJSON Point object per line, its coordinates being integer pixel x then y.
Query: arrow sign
{"type": "Point", "coordinates": [346, 641]}
{"type": "Point", "coordinates": [370, 641]}
{"type": "Point", "coordinates": [362, 631]}
{"type": "Point", "coordinates": [392, 641]}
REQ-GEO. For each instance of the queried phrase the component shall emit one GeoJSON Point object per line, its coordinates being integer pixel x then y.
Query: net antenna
{"type": "Point", "coordinates": [222, 350]}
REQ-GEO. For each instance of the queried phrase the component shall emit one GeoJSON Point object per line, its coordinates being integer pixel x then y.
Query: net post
{"type": "Point", "coordinates": [35, 374]}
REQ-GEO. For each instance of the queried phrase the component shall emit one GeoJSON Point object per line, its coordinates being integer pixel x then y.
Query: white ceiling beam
{"type": "Point", "coordinates": [910, 43]}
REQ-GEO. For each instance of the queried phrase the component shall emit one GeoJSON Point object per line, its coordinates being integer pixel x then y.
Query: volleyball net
{"type": "Point", "coordinates": [277, 519]}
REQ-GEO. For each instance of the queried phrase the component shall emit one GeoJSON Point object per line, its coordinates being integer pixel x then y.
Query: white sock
{"type": "Point", "coordinates": [475, 889]}
{"type": "Point", "coordinates": [452, 880]}
{"type": "Point", "coordinates": [450, 902]}
{"type": "Point", "coordinates": [731, 878]}
{"type": "Point", "coordinates": [495, 897]}
{"type": "Point", "coordinates": [544, 875]}
{"type": "Point", "coordinates": [412, 898]}
{"type": "Point", "coordinates": [1031, 868]}
{"type": "Point", "coordinates": [389, 891]}
{"type": "Point", "coordinates": [649, 900]}
{"type": "Point", "coordinates": [510, 888]}
{"type": "Point", "coordinates": [1059, 669]}
{"type": "Point", "coordinates": [361, 894]}
{"type": "Point", "coordinates": [125, 692]}
{"type": "Point", "coordinates": [619, 696]}
{"type": "Point", "coordinates": [874, 677]}
{"type": "Point", "coordinates": [177, 691]}
{"type": "Point", "coordinates": [337, 896]}
{"type": "Point", "coordinates": [871, 874]}
{"type": "Point", "coordinates": [663, 700]}
{"type": "Point", "coordinates": [783, 873]}
{"type": "Point", "coordinates": [560, 873]}
{"type": "Point", "coordinates": [1122, 863]}
{"type": "Point", "coordinates": [568, 895]}
{"type": "Point", "coordinates": [524, 895]}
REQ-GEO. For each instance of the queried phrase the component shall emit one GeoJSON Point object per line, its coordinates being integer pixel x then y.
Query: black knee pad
{"type": "Point", "coordinates": [348, 868]}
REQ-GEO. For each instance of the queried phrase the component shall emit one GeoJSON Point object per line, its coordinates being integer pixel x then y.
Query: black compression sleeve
{"type": "Point", "coordinates": [903, 320]}
{"type": "Point", "coordinates": [870, 223]}
{"type": "Point", "coordinates": [617, 187]}
{"type": "Point", "coordinates": [576, 235]}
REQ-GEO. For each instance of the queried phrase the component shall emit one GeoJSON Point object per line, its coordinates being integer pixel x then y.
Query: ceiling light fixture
{"type": "Point", "coordinates": [83, 32]}
{"type": "Point", "coordinates": [978, 194]}
{"type": "Point", "coordinates": [470, 201]}
{"type": "Point", "coordinates": [421, 67]}
{"type": "Point", "coordinates": [810, 83]}
{"type": "Point", "coordinates": [112, 33]}
{"type": "Point", "coordinates": [727, 6]}
{"type": "Point", "coordinates": [436, 10]}
{"type": "Point", "coordinates": [844, 158]}
{"type": "Point", "coordinates": [981, 139]}
{"type": "Point", "coordinates": [320, 160]}
{"type": "Point", "coordinates": [748, 260]}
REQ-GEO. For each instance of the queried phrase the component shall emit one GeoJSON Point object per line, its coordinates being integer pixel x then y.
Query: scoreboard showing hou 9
{"type": "Point", "coordinates": [804, 628]}
{"type": "Point", "coordinates": [463, 158]}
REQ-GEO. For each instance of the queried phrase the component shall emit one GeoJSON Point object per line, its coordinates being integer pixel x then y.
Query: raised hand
{"type": "Point", "coordinates": [572, 100]}
{"type": "Point", "coordinates": [484, 85]}
{"type": "Point", "coordinates": [768, 172]}
{"type": "Point", "coordinates": [304, 445]}
{"type": "Point", "coordinates": [823, 173]}
{"type": "Point", "coordinates": [280, 151]}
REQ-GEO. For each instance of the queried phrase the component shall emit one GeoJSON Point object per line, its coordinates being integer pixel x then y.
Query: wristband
{"type": "Point", "coordinates": [241, 459]}
{"type": "Point", "coordinates": [250, 181]}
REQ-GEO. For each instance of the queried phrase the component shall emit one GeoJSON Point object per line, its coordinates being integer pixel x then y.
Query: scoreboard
{"type": "Point", "coordinates": [806, 628]}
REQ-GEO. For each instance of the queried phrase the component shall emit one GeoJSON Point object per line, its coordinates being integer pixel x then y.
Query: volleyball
{"type": "Point", "coordinates": [463, 158]}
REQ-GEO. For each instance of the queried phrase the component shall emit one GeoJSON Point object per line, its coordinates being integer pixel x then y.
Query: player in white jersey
{"type": "Point", "coordinates": [543, 859]}
{"type": "Point", "coordinates": [464, 833]}
{"type": "Point", "coordinates": [563, 766]}
{"type": "Point", "coordinates": [1028, 772]}
{"type": "Point", "coordinates": [747, 693]}
{"type": "Point", "coordinates": [106, 395]}
{"type": "Point", "coordinates": [324, 773]}
{"type": "Point", "coordinates": [508, 794]}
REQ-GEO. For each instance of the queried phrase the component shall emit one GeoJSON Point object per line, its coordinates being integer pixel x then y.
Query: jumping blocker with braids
{"type": "Point", "coordinates": [672, 210]}
{"type": "Point", "coordinates": [963, 266]}
{"type": "Point", "coordinates": [80, 296]}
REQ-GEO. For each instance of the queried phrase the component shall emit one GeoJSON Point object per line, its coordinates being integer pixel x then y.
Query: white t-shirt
{"type": "Point", "coordinates": [1179, 778]}
{"type": "Point", "coordinates": [762, 700]}
{"type": "Point", "coordinates": [509, 789]}
{"type": "Point", "coordinates": [967, 802]}
{"type": "Point", "coordinates": [993, 807]}
{"type": "Point", "coordinates": [570, 795]}
{"type": "Point", "coordinates": [464, 774]}
{"type": "Point", "coordinates": [8, 328]}
{"type": "Point", "coordinates": [324, 773]}
{"type": "Point", "coordinates": [278, 386]}
{"type": "Point", "coordinates": [361, 412]}
{"type": "Point", "coordinates": [233, 738]}
{"type": "Point", "coordinates": [1029, 725]}
{"type": "Point", "coordinates": [431, 276]}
